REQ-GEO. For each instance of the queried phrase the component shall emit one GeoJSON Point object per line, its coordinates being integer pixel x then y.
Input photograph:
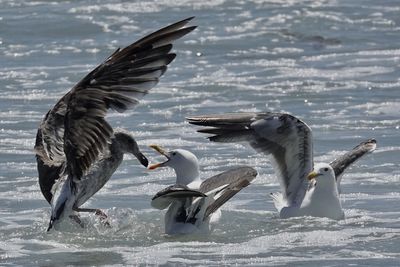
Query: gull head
{"type": "Point", "coordinates": [323, 174]}
{"type": "Point", "coordinates": [184, 162]}
{"type": "Point", "coordinates": [128, 144]}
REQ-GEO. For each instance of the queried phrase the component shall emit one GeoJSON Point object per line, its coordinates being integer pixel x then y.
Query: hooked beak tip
{"type": "Point", "coordinates": [143, 160]}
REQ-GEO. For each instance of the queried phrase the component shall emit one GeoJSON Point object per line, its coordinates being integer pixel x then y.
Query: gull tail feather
{"type": "Point", "coordinates": [279, 201]}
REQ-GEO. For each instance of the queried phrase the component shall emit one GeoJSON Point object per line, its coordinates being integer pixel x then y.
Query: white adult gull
{"type": "Point", "coordinates": [306, 190]}
{"type": "Point", "coordinates": [77, 150]}
{"type": "Point", "coordinates": [193, 205]}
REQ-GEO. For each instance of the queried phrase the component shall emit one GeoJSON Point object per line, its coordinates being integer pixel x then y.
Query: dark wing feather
{"type": "Point", "coordinates": [118, 83]}
{"type": "Point", "coordinates": [166, 196]}
{"type": "Point", "coordinates": [235, 180]}
{"type": "Point", "coordinates": [50, 135]}
{"type": "Point", "coordinates": [75, 127]}
{"type": "Point", "coordinates": [340, 164]}
{"type": "Point", "coordinates": [49, 149]}
{"type": "Point", "coordinates": [228, 120]}
{"type": "Point", "coordinates": [49, 171]}
{"type": "Point", "coordinates": [286, 138]}
{"type": "Point", "coordinates": [227, 177]}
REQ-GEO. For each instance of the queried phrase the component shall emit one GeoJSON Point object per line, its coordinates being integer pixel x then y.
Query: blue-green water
{"type": "Point", "coordinates": [335, 64]}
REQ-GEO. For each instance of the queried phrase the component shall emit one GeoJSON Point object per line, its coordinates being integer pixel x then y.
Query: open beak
{"type": "Point", "coordinates": [312, 175]}
{"type": "Point", "coordinates": [162, 152]}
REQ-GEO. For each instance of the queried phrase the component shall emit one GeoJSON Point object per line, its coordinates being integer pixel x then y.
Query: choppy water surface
{"type": "Point", "coordinates": [334, 64]}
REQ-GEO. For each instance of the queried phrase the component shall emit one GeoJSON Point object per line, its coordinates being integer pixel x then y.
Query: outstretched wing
{"type": "Point", "coordinates": [165, 197]}
{"type": "Point", "coordinates": [286, 138]}
{"type": "Point", "coordinates": [118, 83]}
{"type": "Point", "coordinates": [340, 164]}
{"type": "Point", "coordinates": [49, 150]}
{"type": "Point", "coordinates": [230, 182]}
{"type": "Point", "coordinates": [227, 177]}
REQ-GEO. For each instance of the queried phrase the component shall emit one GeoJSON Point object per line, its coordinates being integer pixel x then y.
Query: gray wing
{"type": "Point", "coordinates": [49, 150]}
{"type": "Point", "coordinates": [166, 196]}
{"type": "Point", "coordinates": [118, 83]}
{"type": "Point", "coordinates": [48, 171]}
{"type": "Point", "coordinates": [227, 177]}
{"type": "Point", "coordinates": [234, 181]}
{"type": "Point", "coordinates": [340, 164]}
{"type": "Point", "coordinates": [50, 135]}
{"type": "Point", "coordinates": [285, 138]}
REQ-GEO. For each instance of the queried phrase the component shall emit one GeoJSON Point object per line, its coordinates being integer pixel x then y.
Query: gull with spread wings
{"type": "Point", "coordinates": [306, 189]}
{"type": "Point", "coordinates": [77, 150]}
{"type": "Point", "coordinates": [194, 204]}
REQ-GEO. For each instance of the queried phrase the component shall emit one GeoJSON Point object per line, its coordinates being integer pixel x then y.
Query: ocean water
{"type": "Point", "coordinates": [333, 63]}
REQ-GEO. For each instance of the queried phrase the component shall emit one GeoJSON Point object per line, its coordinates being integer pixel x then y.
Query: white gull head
{"type": "Point", "coordinates": [324, 176]}
{"type": "Point", "coordinates": [184, 163]}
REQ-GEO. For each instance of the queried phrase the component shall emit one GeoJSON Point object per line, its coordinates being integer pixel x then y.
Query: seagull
{"type": "Point", "coordinates": [76, 149]}
{"type": "Point", "coordinates": [194, 205]}
{"type": "Point", "coordinates": [306, 190]}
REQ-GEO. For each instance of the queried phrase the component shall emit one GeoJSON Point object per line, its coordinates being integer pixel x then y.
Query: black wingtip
{"type": "Point", "coordinates": [184, 21]}
{"type": "Point", "coordinates": [50, 226]}
{"type": "Point", "coordinates": [190, 18]}
{"type": "Point", "coordinates": [180, 24]}
{"type": "Point", "coordinates": [369, 144]}
{"type": "Point", "coordinates": [196, 120]}
{"type": "Point", "coordinates": [170, 57]}
{"type": "Point", "coordinates": [253, 172]}
{"type": "Point", "coordinates": [189, 29]}
{"type": "Point", "coordinates": [212, 138]}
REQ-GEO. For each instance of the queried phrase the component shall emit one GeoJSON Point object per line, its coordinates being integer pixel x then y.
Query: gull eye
{"type": "Point", "coordinates": [173, 153]}
{"type": "Point", "coordinates": [326, 169]}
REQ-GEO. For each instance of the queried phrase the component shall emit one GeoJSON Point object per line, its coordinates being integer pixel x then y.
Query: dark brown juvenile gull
{"type": "Point", "coordinates": [307, 190]}
{"type": "Point", "coordinates": [77, 150]}
{"type": "Point", "coordinates": [193, 205]}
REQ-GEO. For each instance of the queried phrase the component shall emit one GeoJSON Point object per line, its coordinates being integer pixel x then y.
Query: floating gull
{"type": "Point", "coordinates": [289, 142]}
{"type": "Point", "coordinates": [76, 148]}
{"type": "Point", "coordinates": [194, 204]}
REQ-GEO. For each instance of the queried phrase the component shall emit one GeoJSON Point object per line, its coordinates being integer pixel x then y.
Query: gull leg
{"type": "Point", "coordinates": [103, 217]}
{"type": "Point", "coordinates": [77, 220]}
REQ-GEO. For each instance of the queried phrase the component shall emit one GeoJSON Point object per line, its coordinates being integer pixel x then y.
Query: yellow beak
{"type": "Point", "coordinates": [159, 150]}
{"type": "Point", "coordinates": [162, 152]}
{"type": "Point", "coordinates": [155, 166]}
{"type": "Point", "coordinates": [312, 175]}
